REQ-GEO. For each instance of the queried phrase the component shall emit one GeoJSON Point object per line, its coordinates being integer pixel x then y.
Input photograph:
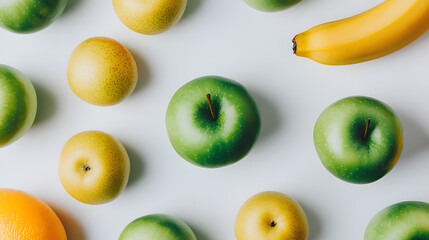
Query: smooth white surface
{"type": "Point", "coordinates": [227, 38]}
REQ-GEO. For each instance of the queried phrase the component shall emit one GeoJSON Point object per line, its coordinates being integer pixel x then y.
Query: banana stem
{"type": "Point", "coordinates": [294, 47]}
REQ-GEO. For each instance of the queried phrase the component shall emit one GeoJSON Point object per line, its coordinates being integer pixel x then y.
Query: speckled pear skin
{"type": "Point", "coordinates": [102, 72]}
{"type": "Point", "coordinates": [94, 167]}
{"type": "Point", "coordinates": [149, 16]}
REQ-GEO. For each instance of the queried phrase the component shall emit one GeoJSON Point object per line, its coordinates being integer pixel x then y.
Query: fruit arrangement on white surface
{"type": "Point", "coordinates": [213, 121]}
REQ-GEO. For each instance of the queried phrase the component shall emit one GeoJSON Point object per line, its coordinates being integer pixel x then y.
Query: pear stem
{"type": "Point", "coordinates": [209, 99]}
{"type": "Point", "coordinates": [368, 121]}
{"type": "Point", "coordinates": [273, 224]}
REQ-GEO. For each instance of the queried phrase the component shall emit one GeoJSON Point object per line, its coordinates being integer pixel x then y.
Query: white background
{"type": "Point", "coordinates": [227, 38]}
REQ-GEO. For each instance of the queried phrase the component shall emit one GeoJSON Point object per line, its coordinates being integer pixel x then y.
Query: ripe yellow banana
{"type": "Point", "coordinates": [375, 33]}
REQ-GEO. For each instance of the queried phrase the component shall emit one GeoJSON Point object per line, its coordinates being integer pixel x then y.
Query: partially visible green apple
{"type": "Point", "coordinates": [212, 121]}
{"type": "Point", "coordinates": [18, 105]}
{"type": "Point", "coordinates": [157, 227]}
{"type": "Point", "coordinates": [271, 5]}
{"type": "Point", "coordinates": [401, 221]}
{"type": "Point", "coordinates": [358, 139]}
{"type": "Point", "coordinates": [27, 16]}
{"type": "Point", "coordinates": [94, 167]}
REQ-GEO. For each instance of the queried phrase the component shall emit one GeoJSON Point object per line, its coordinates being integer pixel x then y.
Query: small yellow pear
{"type": "Point", "coordinates": [271, 216]}
{"type": "Point", "coordinates": [102, 72]}
{"type": "Point", "coordinates": [149, 16]}
{"type": "Point", "coordinates": [94, 167]}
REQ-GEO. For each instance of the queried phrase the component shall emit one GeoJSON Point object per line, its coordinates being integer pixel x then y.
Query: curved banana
{"type": "Point", "coordinates": [373, 34]}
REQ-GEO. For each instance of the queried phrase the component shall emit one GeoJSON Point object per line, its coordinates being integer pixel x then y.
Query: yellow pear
{"type": "Point", "coordinates": [149, 16]}
{"type": "Point", "coordinates": [102, 72]}
{"type": "Point", "coordinates": [94, 167]}
{"type": "Point", "coordinates": [271, 216]}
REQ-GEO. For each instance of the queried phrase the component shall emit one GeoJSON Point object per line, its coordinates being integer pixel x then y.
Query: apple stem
{"type": "Point", "coordinates": [368, 121]}
{"type": "Point", "coordinates": [273, 224]}
{"type": "Point", "coordinates": [209, 99]}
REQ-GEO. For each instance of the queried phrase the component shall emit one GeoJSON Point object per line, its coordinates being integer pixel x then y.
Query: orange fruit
{"type": "Point", "coordinates": [24, 217]}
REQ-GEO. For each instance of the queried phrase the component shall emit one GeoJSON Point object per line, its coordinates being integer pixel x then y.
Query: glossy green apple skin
{"type": "Point", "coordinates": [343, 149]}
{"type": "Point", "coordinates": [157, 227]}
{"type": "Point", "coordinates": [271, 5]}
{"type": "Point", "coordinates": [200, 139]}
{"type": "Point", "coordinates": [401, 221]}
{"type": "Point", "coordinates": [27, 16]}
{"type": "Point", "coordinates": [18, 104]}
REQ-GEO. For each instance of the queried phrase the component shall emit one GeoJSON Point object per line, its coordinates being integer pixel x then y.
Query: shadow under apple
{"type": "Point", "coordinates": [72, 5]}
{"type": "Point", "coordinates": [46, 105]}
{"type": "Point", "coordinates": [415, 139]}
{"type": "Point", "coordinates": [199, 234]}
{"type": "Point", "coordinates": [271, 120]}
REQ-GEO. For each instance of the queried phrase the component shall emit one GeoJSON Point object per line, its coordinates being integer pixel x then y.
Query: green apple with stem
{"type": "Point", "coordinates": [402, 221]}
{"type": "Point", "coordinates": [358, 139]}
{"type": "Point", "coordinates": [157, 227]}
{"type": "Point", "coordinates": [212, 121]}
{"type": "Point", "coordinates": [18, 105]}
{"type": "Point", "coordinates": [271, 5]}
{"type": "Point", "coordinates": [27, 16]}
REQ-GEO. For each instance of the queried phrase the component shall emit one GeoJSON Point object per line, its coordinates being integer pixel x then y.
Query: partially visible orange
{"type": "Point", "coordinates": [25, 217]}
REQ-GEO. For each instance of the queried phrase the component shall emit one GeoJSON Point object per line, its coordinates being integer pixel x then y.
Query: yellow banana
{"type": "Point", "coordinates": [375, 33]}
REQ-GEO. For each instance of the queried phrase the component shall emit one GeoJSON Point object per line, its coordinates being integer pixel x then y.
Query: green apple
{"type": "Point", "coordinates": [271, 216]}
{"type": "Point", "coordinates": [149, 16]}
{"type": "Point", "coordinates": [271, 5]}
{"type": "Point", "coordinates": [27, 16]}
{"type": "Point", "coordinates": [157, 227]}
{"type": "Point", "coordinates": [212, 121]}
{"type": "Point", "coordinates": [401, 221]}
{"type": "Point", "coordinates": [94, 167]}
{"type": "Point", "coordinates": [358, 139]}
{"type": "Point", "coordinates": [18, 105]}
